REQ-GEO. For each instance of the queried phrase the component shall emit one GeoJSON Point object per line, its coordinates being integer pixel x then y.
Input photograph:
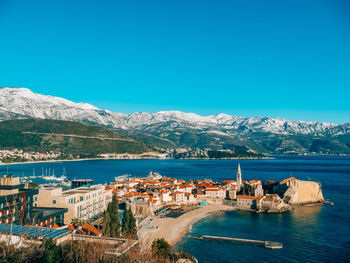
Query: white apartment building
{"type": "Point", "coordinates": [83, 202]}
{"type": "Point", "coordinates": [179, 197]}
{"type": "Point", "coordinates": [215, 193]}
{"type": "Point", "coordinates": [166, 196]}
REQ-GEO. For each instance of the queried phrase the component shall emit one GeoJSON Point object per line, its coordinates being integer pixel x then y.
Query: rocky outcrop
{"type": "Point", "coordinates": [302, 192]}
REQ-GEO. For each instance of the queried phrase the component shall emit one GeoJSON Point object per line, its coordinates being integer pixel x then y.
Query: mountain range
{"type": "Point", "coordinates": [175, 129]}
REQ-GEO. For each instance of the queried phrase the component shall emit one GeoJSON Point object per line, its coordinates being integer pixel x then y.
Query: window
{"type": "Point", "coordinates": [81, 198]}
{"type": "Point", "coordinates": [35, 198]}
{"type": "Point", "coordinates": [54, 201]}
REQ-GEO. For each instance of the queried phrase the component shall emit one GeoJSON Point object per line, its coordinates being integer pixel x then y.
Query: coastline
{"type": "Point", "coordinates": [114, 158]}
{"type": "Point", "coordinates": [174, 229]}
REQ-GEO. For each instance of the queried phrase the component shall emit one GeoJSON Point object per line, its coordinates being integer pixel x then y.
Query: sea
{"type": "Point", "coordinates": [308, 234]}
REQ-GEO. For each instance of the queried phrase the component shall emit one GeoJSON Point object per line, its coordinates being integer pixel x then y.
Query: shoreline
{"type": "Point", "coordinates": [113, 158]}
{"type": "Point", "coordinates": [174, 229]}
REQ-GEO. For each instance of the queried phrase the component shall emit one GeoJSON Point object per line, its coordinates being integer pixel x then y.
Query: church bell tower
{"type": "Point", "coordinates": [239, 178]}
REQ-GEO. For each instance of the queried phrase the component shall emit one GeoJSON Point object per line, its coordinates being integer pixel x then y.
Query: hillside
{"type": "Point", "coordinates": [65, 136]}
{"type": "Point", "coordinates": [174, 129]}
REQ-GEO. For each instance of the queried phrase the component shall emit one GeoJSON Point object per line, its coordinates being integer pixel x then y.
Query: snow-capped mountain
{"type": "Point", "coordinates": [23, 103]}
{"type": "Point", "coordinates": [19, 103]}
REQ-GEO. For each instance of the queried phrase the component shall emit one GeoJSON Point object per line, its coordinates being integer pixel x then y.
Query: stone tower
{"type": "Point", "coordinates": [239, 178]}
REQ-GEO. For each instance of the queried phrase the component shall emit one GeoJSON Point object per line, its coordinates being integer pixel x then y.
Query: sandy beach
{"type": "Point", "coordinates": [173, 229]}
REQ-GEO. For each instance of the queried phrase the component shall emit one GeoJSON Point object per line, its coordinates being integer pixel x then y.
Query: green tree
{"type": "Point", "coordinates": [33, 185]}
{"type": "Point", "coordinates": [111, 219]}
{"type": "Point", "coordinates": [125, 223]}
{"type": "Point", "coordinates": [132, 224]}
{"type": "Point", "coordinates": [77, 222]}
{"type": "Point", "coordinates": [161, 247]}
{"type": "Point", "coordinates": [53, 253]}
{"type": "Point", "coordinates": [129, 224]}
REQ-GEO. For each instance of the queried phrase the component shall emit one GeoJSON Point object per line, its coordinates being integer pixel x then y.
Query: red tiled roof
{"type": "Point", "coordinates": [92, 229]}
{"type": "Point", "coordinates": [228, 181]}
{"type": "Point", "coordinates": [249, 197]}
{"type": "Point", "coordinates": [254, 181]}
{"type": "Point", "coordinates": [211, 190]}
{"type": "Point", "coordinates": [288, 179]}
{"type": "Point", "coordinates": [268, 199]}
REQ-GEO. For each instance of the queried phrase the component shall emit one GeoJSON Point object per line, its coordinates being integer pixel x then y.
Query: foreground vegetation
{"type": "Point", "coordinates": [81, 252]}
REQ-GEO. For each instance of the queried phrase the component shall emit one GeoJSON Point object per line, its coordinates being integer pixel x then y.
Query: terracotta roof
{"type": "Point", "coordinates": [229, 181]}
{"type": "Point", "coordinates": [178, 192]}
{"type": "Point", "coordinates": [254, 181]}
{"type": "Point", "coordinates": [249, 197]}
{"type": "Point", "coordinates": [288, 179]}
{"type": "Point", "coordinates": [170, 179]}
{"type": "Point", "coordinates": [92, 229]}
{"type": "Point", "coordinates": [128, 195]}
{"type": "Point", "coordinates": [71, 227]}
{"type": "Point", "coordinates": [268, 199]}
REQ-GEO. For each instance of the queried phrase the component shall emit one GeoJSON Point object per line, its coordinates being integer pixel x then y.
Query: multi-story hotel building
{"type": "Point", "coordinates": [82, 202]}
{"type": "Point", "coordinates": [16, 203]}
{"type": "Point", "coordinates": [16, 206]}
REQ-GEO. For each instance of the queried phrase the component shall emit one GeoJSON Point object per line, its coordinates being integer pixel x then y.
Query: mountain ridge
{"type": "Point", "coordinates": [183, 129]}
{"type": "Point", "coordinates": [68, 137]}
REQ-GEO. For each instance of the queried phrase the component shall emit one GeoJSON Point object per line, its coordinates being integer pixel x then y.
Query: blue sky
{"type": "Point", "coordinates": [288, 59]}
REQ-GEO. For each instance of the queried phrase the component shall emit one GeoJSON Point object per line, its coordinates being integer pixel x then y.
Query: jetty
{"type": "Point", "coordinates": [267, 244]}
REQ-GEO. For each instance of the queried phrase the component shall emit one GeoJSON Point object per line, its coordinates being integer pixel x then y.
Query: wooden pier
{"type": "Point", "coordinates": [267, 244]}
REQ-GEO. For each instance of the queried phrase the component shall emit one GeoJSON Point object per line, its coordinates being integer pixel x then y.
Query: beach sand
{"type": "Point", "coordinates": [173, 229]}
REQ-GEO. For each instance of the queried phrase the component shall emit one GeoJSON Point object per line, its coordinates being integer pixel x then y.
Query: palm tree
{"type": "Point", "coordinates": [77, 222]}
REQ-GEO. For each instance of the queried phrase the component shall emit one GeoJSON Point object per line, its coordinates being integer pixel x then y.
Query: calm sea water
{"type": "Point", "coordinates": [309, 234]}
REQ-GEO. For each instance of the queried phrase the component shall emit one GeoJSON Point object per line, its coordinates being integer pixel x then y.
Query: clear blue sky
{"type": "Point", "coordinates": [281, 58]}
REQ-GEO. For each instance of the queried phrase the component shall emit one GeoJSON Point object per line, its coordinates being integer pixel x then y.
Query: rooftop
{"type": "Point", "coordinates": [49, 211]}
{"type": "Point", "coordinates": [32, 231]}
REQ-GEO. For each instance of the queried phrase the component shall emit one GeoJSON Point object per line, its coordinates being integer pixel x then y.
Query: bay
{"type": "Point", "coordinates": [309, 234]}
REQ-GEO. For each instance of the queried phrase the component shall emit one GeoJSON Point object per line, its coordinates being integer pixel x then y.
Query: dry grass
{"type": "Point", "coordinates": [78, 252]}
